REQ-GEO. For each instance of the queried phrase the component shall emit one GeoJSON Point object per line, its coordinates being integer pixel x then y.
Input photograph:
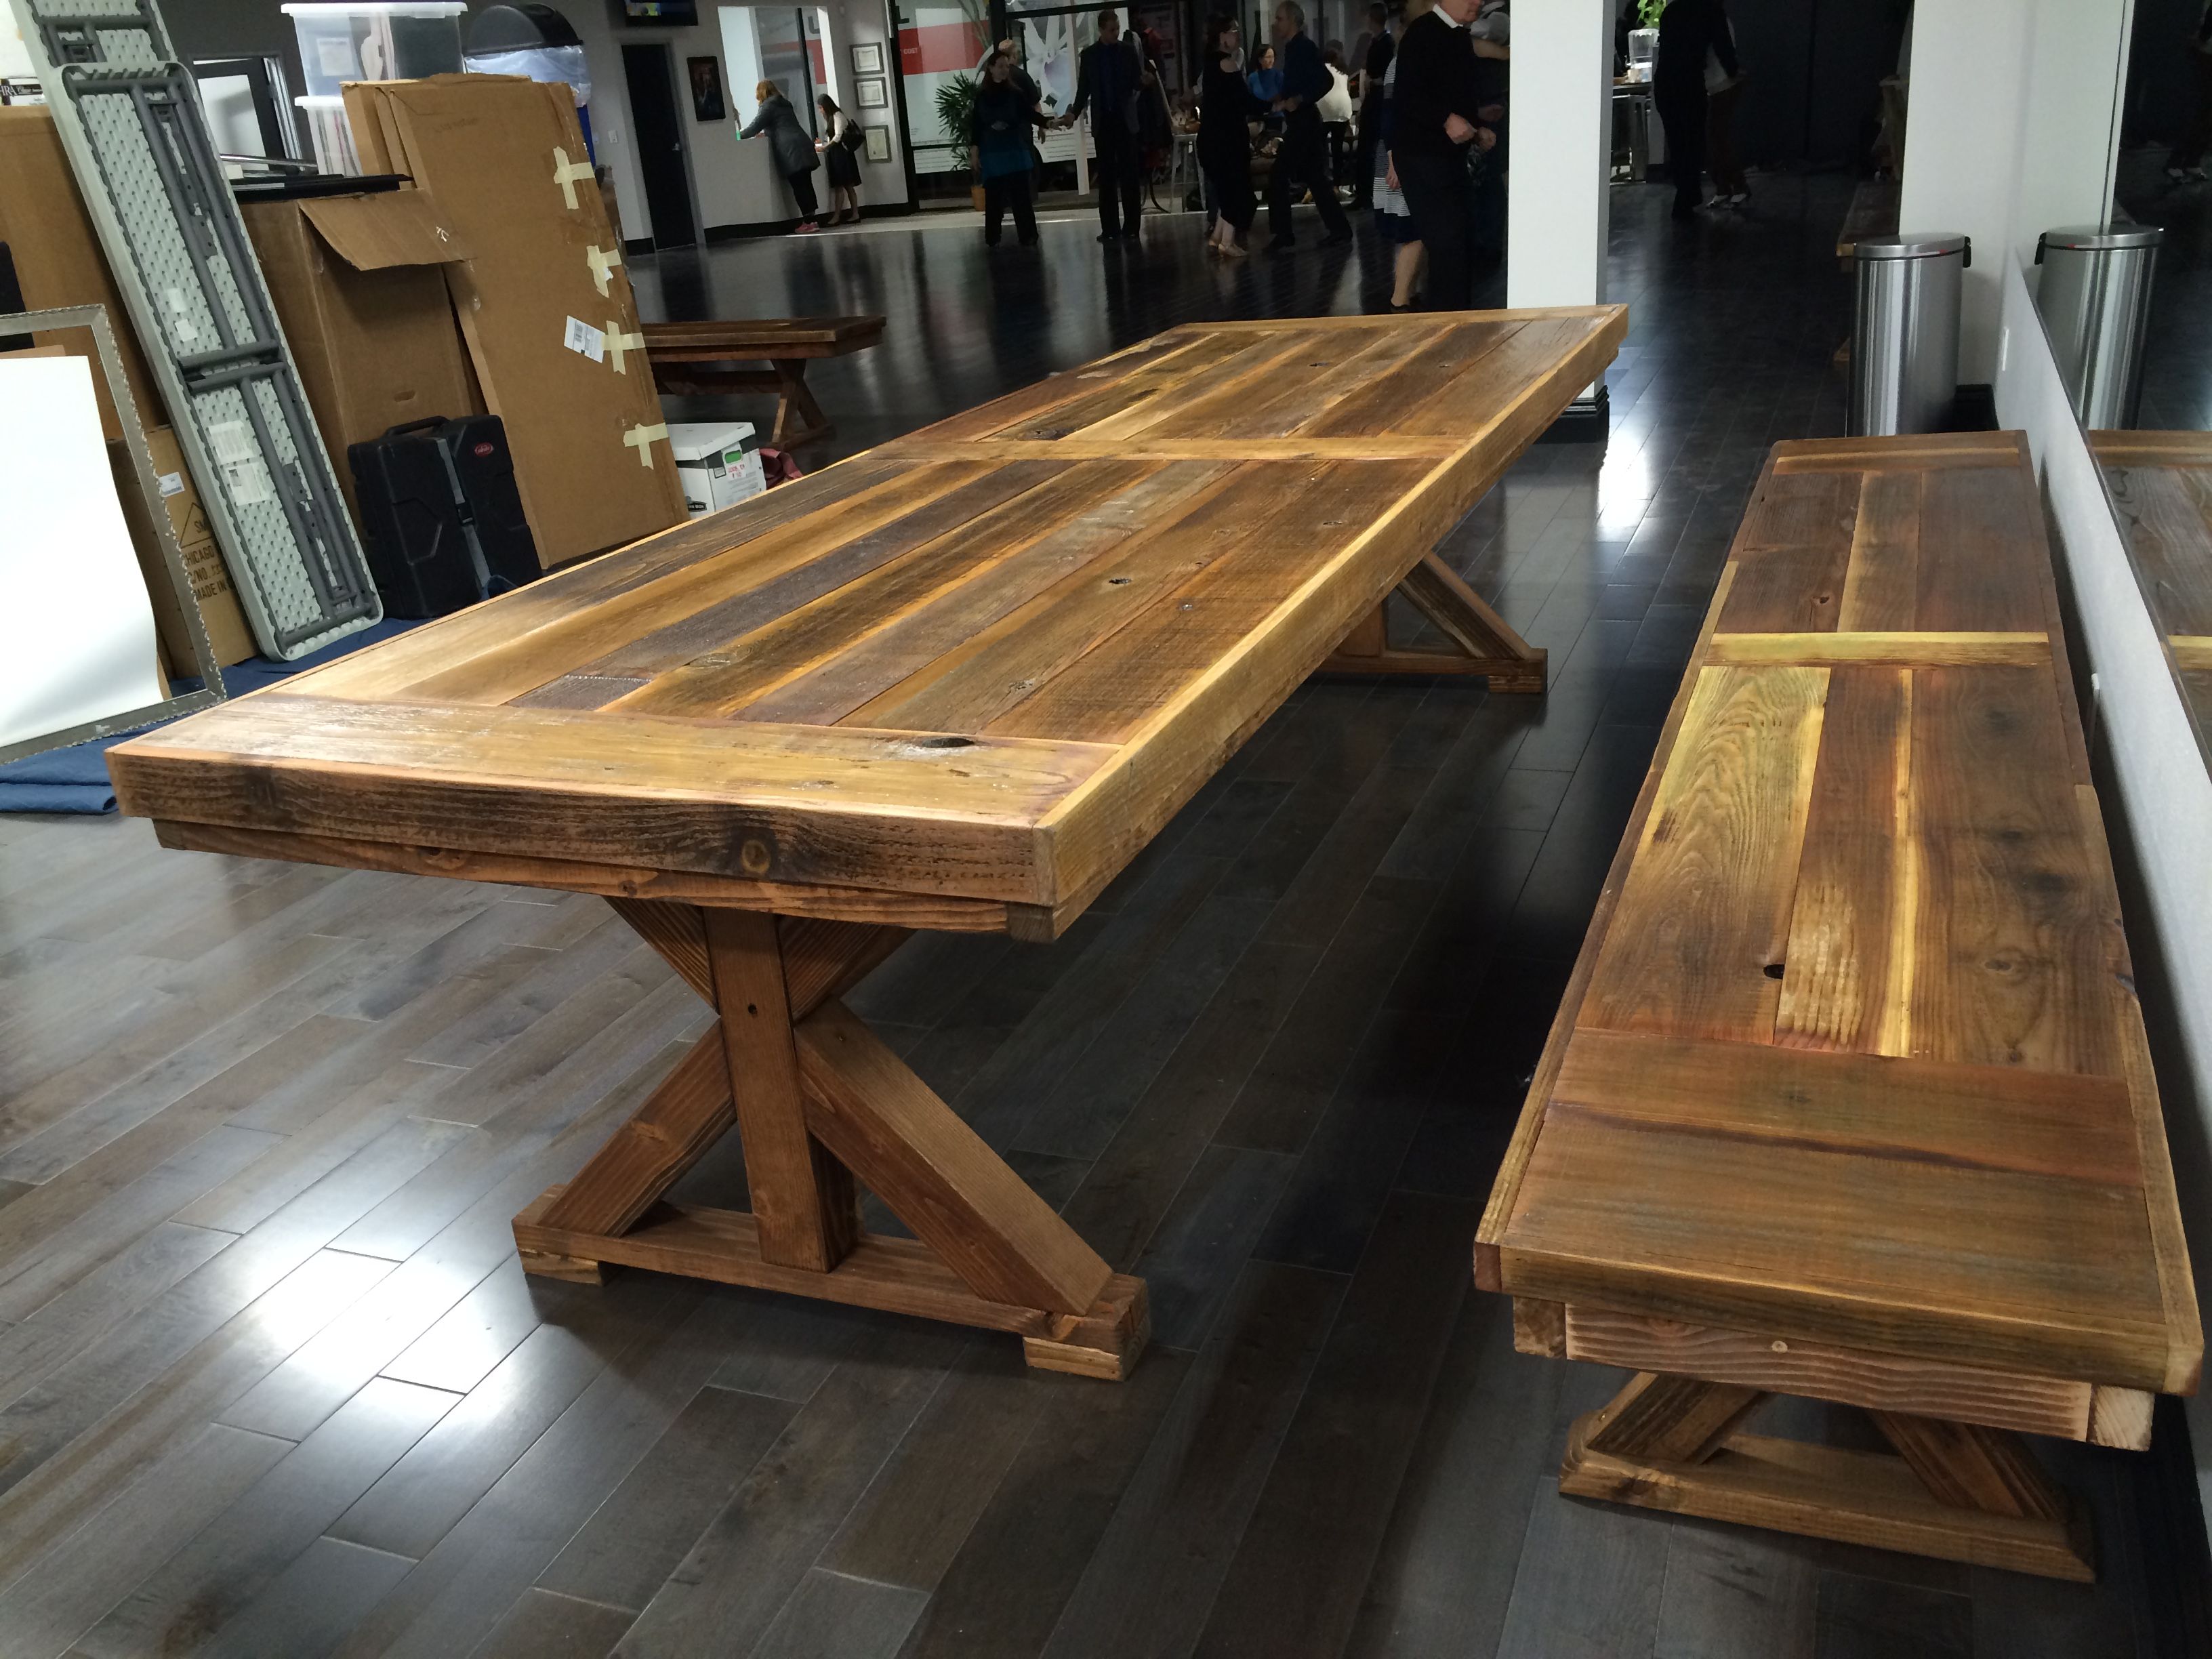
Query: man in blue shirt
{"type": "Point", "coordinates": [1304, 156]}
{"type": "Point", "coordinates": [1110, 77]}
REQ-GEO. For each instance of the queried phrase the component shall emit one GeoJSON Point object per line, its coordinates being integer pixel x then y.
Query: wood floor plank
{"type": "Point", "coordinates": [1590, 1581]}
{"type": "Point", "coordinates": [542, 1626]}
{"type": "Point", "coordinates": [752, 1556]}
{"type": "Point", "coordinates": [1299, 1572]}
{"type": "Point", "coordinates": [1152, 1580]}
{"type": "Point", "coordinates": [243, 1549]}
{"type": "Point", "coordinates": [64, 1589]}
{"type": "Point", "coordinates": [649, 1523]}
{"type": "Point", "coordinates": [833, 1617]}
{"type": "Point", "coordinates": [306, 1609]}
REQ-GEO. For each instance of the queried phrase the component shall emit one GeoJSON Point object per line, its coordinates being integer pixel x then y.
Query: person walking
{"type": "Point", "coordinates": [2184, 163]}
{"type": "Point", "coordinates": [1689, 30]}
{"type": "Point", "coordinates": [1393, 220]}
{"type": "Point", "coordinates": [1305, 153]}
{"type": "Point", "coordinates": [1373, 63]}
{"type": "Point", "coordinates": [1226, 110]}
{"type": "Point", "coordinates": [1435, 115]}
{"type": "Point", "coordinates": [1000, 127]}
{"type": "Point", "coordinates": [840, 145]}
{"type": "Point", "coordinates": [1110, 81]}
{"type": "Point", "coordinates": [793, 150]}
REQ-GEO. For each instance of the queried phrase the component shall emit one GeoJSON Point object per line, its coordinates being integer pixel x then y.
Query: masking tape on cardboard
{"type": "Point", "coordinates": [619, 345]}
{"type": "Point", "coordinates": [565, 174]}
{"type": "Point", "coordinates": [600, 264]}
{"type": "Point", "coordinates": [644, 437]}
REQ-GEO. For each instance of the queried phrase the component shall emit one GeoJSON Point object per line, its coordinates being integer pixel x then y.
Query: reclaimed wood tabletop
{"type": "Point", "coordinates": [2161, 488]}
{"type": "Point", "coordinates": [955, 683]}
{"type": "Point", "coordinates": [1850, 1096]}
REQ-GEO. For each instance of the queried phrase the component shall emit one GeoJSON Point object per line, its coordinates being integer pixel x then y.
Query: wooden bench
{"type": "Point", "coordinates": [2161, 488]}
{"type": "Point", "coordinates": [1873, 212]}
{"type": "Point", "coordinates": [958, 684]}
{"type": "Point", "coordinates": [1849, 1097]}
{"type": "Point", "coordinates": [700, 360]}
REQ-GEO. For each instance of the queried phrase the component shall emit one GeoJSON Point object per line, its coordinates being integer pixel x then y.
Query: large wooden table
{"type": "Point", "coordinates": [2161, 488]}
{"type": "Point", "coordinates": [958, 684]}
{"type": "Point", "coordinates": [1848, 1095]}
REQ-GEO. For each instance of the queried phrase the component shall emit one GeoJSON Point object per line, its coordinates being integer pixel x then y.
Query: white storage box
{"type": "Point", "coordinates": [376, 40]}
{"type": "Point", "coordinates": [718, 463]}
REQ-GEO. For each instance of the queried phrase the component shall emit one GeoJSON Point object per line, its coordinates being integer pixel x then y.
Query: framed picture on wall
{"type": "Point", "coordinates": [869, 93]}
{"type": "Point", "coordinates": [879, 143]}
{"type": "Point", "coordinates": [868, 59]}
{"type": "Point", "coordinates": [706, 103]}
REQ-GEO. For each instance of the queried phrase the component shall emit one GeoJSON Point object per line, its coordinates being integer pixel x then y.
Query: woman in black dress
{"type": "Point", "coordinates": [1226, 107]}
{"type": "Point", "coordinates": [840, 145]}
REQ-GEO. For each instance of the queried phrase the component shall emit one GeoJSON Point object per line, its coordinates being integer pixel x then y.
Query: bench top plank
{"type": "Point", "coordinates": [1852, 1054]}
{"type": "Point", "coordinates": [720, 338]}
{"type": "Point", "coordinates": [985, 663]}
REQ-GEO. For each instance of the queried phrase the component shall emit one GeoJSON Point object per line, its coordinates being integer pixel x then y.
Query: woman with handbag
{"type": "Point", "coordinates": [840, 145]}
{"type": "Point", "coordinates": [793, 150]}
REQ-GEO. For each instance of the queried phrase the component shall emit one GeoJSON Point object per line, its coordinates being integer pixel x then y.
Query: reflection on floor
{"type": "Point", "coordinates": [271, 1384]}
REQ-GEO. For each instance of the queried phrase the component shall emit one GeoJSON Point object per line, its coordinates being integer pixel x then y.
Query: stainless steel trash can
{"type": "Point", "coordinates": [2094, 297]}
{"type": "Point", "coordinates": [1904, 341]}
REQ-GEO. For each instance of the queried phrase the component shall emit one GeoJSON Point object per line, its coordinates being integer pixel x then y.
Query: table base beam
{"type": "Point", "coordinates": [1960, 1494]}
{"type": "Point", "coordinates": [897, 1275]}
{"type": "Point", "coordinates": [1480, 641]}
{"type": "Point", "coordinates": [820, 1105]}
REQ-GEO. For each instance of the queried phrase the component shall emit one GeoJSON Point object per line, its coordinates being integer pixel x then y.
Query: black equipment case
{"type": "Point", "coordinates": [440, 516]}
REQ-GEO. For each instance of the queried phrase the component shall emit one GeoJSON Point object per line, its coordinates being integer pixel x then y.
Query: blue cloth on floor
{"type": "Point", "coordinates": [75, 779]}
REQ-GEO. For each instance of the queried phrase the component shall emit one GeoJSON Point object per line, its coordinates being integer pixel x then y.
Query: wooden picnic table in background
{"type": "Point", "coordinates": [956, 683]}
{"type": "Point", "coordinates": [1850, 1096]}
{"type": "Point", "coordinates": [702, 359]}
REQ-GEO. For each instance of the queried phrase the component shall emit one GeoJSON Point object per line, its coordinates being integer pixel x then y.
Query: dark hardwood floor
{"type": "Point", "coordinates": [271, 1382]}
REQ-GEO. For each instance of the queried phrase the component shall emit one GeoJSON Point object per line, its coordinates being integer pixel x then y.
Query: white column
{"type": "Point", "coordinates": [2012, 129]}
{"type": "Point", "coordinates": [1562, 104]}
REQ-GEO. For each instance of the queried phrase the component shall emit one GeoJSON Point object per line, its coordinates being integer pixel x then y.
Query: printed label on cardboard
{"type": "Point", "coordinates": [582, 337]}
{"type": "Point", "coordinates": [170, 483]}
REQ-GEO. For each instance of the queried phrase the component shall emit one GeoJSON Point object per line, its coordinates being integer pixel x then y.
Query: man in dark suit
{"type": "Point", "coordinates": [1110, 77]}
{"type": "Point", "coordinates": [1305, 153]}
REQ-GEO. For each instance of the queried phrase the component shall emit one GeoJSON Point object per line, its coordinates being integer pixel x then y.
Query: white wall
{"type": "Point", "coordinates": [2012, 130]}
{"type": "Point", "coordinates": [2164, 803]}
{"type": "Point", "coordinates": [731, 184]}
{"type": "Point", "coordinates": [1557, 191]}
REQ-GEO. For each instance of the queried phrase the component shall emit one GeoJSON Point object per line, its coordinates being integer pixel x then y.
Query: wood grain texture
{"type": "Point", "coordinates": [1852, 1060]}
{"type": "Point", "coordinates": [898, 674]}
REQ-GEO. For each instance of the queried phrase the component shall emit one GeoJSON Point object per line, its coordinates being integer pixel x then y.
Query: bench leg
{"type": "Point", "coordinates": [1481, 642]}
{"type": "Point", "coordinates": [1958, 1491]}
{"type": "Point", "coordinates": [794, 397]}
{"type": "Point", "coordinates": [822, 1105]}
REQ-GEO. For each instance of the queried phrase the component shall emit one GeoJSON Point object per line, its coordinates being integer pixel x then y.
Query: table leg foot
{"type": "Point", "coordinates": [1479, 642]}
{"type": "Point", "coordinates": [1851, 1496]}
{"type": "Point", "coordinates": [545, 1265]}
{"type": "Point", "coordinates": [1104, 1343]}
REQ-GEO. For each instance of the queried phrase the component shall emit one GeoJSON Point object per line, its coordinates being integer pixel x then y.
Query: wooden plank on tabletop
{"type": "Point", "coordinates": [1847, 964]}
{"type": "Point", "coordinates": [731, 668]}
{"type": "Point", "coordinates": [1905, 649]}
{"type": "Point", "coordinates": [1793, 554]}
{"type": "Point", "coordinates": [1980, 518]}
{"type": "Point", "coordinates": [1883, 575]}
{"type": "Point", "coordinates": [2010, 948]}
{"type": "Point", "coordinates": [1703, 924]}
{"type": "Point", "coordinates": [1963, 1117]}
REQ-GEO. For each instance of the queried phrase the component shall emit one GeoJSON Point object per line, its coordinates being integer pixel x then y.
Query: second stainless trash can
{"type": "Point", "coordinates": [2094, 297]}
{"type": "Point", "coordinates": [1904, 341]}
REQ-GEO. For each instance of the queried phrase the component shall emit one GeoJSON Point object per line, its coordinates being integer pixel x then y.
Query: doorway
{"type": "Point", "coordinates": [650, 71]}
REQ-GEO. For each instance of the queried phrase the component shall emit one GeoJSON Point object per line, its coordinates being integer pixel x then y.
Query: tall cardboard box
{"type": "Point", "coordinates": [543, 301]}
{"type": "Point", "coordinates": [358, 284]}
{"type": "Point", "coordinates": [219, 611]}
{"type": "Point", "coordinates": [58, 256]}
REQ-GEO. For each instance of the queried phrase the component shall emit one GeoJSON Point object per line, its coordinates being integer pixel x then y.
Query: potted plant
{"type": "Point", "coordinates": [956, 114]}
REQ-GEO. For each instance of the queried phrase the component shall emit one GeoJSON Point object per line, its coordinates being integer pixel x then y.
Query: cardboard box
{"type": "Point", "coordinates": [543, 301]}
{"type": "Point", "coordinates": [219, 612]}
{"type": "Point", "coordinates": [360, 289]}
{"type": "Point", "coordinates": [58, 256]}
{"type": "Point", "coordinates": [719, 462]}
